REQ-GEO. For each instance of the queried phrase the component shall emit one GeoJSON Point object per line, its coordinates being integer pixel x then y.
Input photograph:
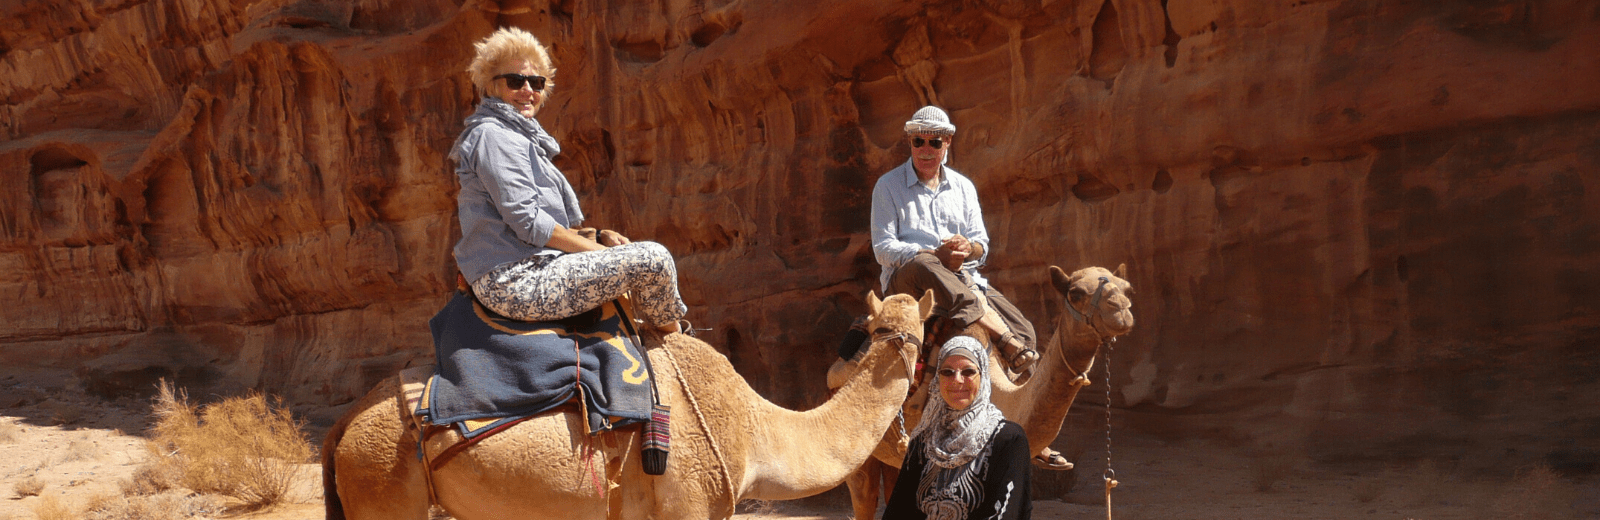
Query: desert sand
{"type": "Point", "coordinates": [80, 447]}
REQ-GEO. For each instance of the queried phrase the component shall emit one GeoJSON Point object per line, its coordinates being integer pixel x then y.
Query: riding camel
{"type": "Point", "coordinates": [1098, 310]}
{"type": "Point", "coordinates": [727, 444]}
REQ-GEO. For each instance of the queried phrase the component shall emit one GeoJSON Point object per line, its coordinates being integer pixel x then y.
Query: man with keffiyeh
{"type": "Point", "coordinates": [928, 233]}
{"type": "Point", "coordinates": [965, 461]}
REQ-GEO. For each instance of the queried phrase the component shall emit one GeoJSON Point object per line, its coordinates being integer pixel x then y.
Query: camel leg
{"type": "Point", "coordinates": [864, 486]}
{"type": "Point", "coordinates": [891, 474]}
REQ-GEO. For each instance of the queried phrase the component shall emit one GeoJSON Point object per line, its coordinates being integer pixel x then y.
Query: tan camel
{"type": "Point", "coordinates": [1040, 402]}
{"type": "Point", "coordinates": [728, 444]}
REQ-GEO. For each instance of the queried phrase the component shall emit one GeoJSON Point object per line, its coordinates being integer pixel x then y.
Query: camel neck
{"type": "Point", "coordinates": [799, 454]}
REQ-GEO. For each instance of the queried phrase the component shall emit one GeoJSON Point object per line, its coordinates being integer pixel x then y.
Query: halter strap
{"type": "Point", "coordinates": [1099, 292]}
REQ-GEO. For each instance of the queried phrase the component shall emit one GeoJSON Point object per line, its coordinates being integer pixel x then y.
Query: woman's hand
{"type": "Point", "coordinates": [572, 240]}
{"type": "Point", "coordinates": [611, 238]}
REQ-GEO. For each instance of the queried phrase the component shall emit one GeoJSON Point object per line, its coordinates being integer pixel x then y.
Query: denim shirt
{"type": "Point", "coordinates": [512, 198]}
{"type": "Point", "coordinates": [908, 216]}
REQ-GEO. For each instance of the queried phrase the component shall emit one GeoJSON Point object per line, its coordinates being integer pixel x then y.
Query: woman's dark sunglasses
{"type": "Point", "coordinates": [515, 82]}
{"type": "Point", "coordinates": [917, 142]}
{"type": "Point", "coordinates": [947, 373]}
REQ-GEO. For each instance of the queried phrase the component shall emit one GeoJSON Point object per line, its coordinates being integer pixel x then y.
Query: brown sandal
{"type": "Point", "coordinates": [1023, 358]}
{"type": "Point", "coordinates": [1053, 461]}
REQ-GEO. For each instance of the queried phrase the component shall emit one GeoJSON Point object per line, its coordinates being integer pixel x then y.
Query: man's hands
{"type": "Point", "coordinates": [954, 251]}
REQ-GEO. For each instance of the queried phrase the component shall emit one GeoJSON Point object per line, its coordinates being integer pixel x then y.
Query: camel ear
{"type": "Point", "coordinates": [1060, 280]}
{"type": "Point", "coordinates": [1122, 271]}
{"type": "Point", "coordinates": [873, 303]}
{"type": "Point", "coordinates": [925, 305]}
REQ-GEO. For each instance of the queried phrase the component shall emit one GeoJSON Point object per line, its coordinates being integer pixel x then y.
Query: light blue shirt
{"type": "Point", "coordinates": [908, 216]}
{"type": "Point", "coordinates": [511, 199]}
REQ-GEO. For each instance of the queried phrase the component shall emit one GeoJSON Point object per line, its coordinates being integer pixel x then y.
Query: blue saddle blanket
{"type": "Point", "coordinates": [492, 367]}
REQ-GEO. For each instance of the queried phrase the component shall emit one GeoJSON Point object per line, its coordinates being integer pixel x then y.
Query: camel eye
{"type": "Point", "coordinates": [882, 330]}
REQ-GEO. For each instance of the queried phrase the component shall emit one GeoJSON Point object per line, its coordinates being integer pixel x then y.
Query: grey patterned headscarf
{"type": "Point", "coordinates": [956, 442]}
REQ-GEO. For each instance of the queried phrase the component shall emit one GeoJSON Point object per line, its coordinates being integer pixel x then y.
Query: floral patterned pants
{"type": "Point", "coordinates": [544, 288]}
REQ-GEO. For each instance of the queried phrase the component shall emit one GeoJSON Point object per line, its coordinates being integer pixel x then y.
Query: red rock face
{"type": "Point", "coordinates": [1336, 213]}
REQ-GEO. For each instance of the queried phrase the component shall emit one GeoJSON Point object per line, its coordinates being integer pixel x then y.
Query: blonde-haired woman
{"type": "Point", "coordinates": [521, 249]}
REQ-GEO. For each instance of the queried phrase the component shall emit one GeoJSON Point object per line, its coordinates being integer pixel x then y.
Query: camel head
{"type": "Point", "coordinates": [1099, 296]}
{"type": "Point", "coordinates": [899, 313]}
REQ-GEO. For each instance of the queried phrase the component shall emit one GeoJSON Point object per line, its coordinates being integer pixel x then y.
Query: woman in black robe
{"type": "Point", "coordinates": [965, 461]}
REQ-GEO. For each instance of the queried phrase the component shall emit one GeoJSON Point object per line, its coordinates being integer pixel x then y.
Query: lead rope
{"type": "Point", "coordinates": [716, 451]}
{"type": "Point", "coordinates": [1110, 475]}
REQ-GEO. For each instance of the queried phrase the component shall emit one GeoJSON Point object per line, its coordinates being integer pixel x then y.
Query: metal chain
{"type": "Point", "coordinates": [1110, 475]}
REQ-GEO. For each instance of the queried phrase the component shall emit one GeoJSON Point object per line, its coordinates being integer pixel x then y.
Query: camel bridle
{"type": "Point", "coordinates": [911, 367]}
{"type": "Point", "coordinates": [1109, 475]}
{"type": "Point", "coordinates": [1082, 378]}
{"type": "Point", "coordinates": [904, 337]}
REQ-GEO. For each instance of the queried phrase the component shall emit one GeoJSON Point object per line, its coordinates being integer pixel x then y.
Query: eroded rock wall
{"type": "Point", "coordinates": [1336, 213]}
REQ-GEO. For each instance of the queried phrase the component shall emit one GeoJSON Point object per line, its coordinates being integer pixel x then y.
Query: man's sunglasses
{"type": "Point", "coordinates": [917, 142]}
{"type": "Point", "coordinates": [515, 82]}
{"type": "Point", "coordinates": [966, 373]}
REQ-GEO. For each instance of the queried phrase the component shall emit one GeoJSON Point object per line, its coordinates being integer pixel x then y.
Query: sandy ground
{"type": "Point", "coordinates": [80, 446]}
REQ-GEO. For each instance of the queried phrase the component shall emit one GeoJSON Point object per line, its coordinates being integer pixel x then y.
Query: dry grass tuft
{"type": "Point", "coordinates": [1536, 492]}
{"type": "Point", "coordinates": [81, 449]}
{"type": "Point", "coordinates": [28, 487]}
{"type": "Point", "coordinates": [151, 479]}
{"type": "Point", "coordinates": [163, 506]}
{"type": "Point", "coordinates": [242, 447]}
{"type": "Point", "coordinates": [9, 431]}
{"type": "Point", "coordinates": [52, 508]}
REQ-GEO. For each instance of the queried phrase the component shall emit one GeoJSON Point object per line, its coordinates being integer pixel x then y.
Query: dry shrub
{"type": "Point", "coordinates": [52, 508]}
{"type": "Point", "coordinates": [9, 431]}
{"type": "Point", "coordinates": [163, 506]}
{"type": "Point", "coordinates": [1536, 492]}
{"type": "Point", "coordinates": [81, 449]}
{"type": "Point", "coordinates": [151, 479]}
{"type": "Point", "coordinates": [28, 487]}
{"type": "Point", "coordinates": [242, 447]}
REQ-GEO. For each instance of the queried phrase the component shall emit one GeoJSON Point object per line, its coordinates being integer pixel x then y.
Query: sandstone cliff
{"type": "Point", "coordinates": [1337, 213]}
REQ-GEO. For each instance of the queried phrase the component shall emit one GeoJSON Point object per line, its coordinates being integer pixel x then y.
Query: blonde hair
{"type": "Point", "coordinates": [505, 45]}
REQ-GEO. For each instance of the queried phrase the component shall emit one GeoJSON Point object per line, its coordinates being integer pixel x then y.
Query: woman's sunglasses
{"type": "Point", "coordinates": [917, 142]}
{"type": "Point", "coordinates": [966, 373]}
{"type": "Point", "coordinates": [515, 82]}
